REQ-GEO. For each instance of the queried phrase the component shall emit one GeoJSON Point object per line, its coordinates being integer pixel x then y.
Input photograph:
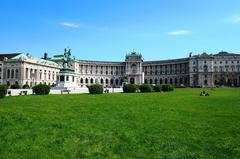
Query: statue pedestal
{"type": "Point", "coordinates": [67, 78]}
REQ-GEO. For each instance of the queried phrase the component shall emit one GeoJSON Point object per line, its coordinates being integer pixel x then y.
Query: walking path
{"type": "Point", "coordinates": [16, 92]}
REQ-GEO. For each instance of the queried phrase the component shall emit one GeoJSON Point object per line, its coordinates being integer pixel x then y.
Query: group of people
{"type": "Point", "coordinates": [203, 93]}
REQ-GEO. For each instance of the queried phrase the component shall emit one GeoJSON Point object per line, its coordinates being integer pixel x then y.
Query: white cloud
{"type": "Point", "coordinates": [234, 19]}
{"type": "Point", "coordinates": [72, 25]}
{"type": "Point", "coordinates": [180, 32]}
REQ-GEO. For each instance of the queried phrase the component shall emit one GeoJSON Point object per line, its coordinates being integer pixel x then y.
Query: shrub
{"type": "Point", "coordinates": [157, 88]}
{"type": "Point", "coordinates": [167, 87]}
{"type": "Point", "coordinates": [25, 86]}
{"type": "Point", "coordinates": [146, 88]}
{"type": "Point", "coordinates": [15, 86]}
{"type": "Point", "coordinates": [95, 89]}
{"type": "Point", "coordinates": [41, 89]}
{"type": "Point", "coordinates": [129, 88]}
{"type": "Point", "coordinates": [3, 91]}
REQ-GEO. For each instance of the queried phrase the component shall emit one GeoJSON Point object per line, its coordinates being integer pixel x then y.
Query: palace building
{"type": "Point", "coordinates": [221, 69]}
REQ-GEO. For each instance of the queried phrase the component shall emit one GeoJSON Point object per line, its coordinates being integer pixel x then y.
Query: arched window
{"type": "Point", "coordinates": [145, 81]}
{"type": "Point", "coordinates": [111, 81]}
{"type": "Point", "coordinates": [171, 81]}
{"type": "Point", "coordinates": [181, 81]}
{"type": "Point", "coordinates": [16, 73]}
{"type": "Point", "coordinates": [86, 80]}
{"type": "Point", "coordinates": [156, 81]}
{"type": "Point", "coordinates": [150, 81]}
{"type": "Point", "coordinates": [91, 81]}
{"type": "Point", "coordinates": [166, 81]}
{"type": "Point", "coordinates": [106, 81]}
{"type": "Point", "coordinates": [12, 74]}
{"type": "Point", "coordinates": [160, 81]}
{"type": "Point", "coordinates": [8, 73]}
{"type": "Point", "coordinates": [116, 81]}
{"type": "Point", "coordinates": [205, 82]}
{"type": "Point", "coordinates": [81, 80]}
{"type": "Point", "coordinates": [101, 81]}
{"type": "Point", "coordinates": [176, 81]}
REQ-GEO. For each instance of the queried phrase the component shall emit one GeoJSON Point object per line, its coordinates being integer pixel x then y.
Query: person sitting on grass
{"type": "Point", "coordinates": [203, 93]}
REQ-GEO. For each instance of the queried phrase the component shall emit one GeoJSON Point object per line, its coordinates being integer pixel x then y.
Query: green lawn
{"type": "Point", "coordinates": [179, 124]}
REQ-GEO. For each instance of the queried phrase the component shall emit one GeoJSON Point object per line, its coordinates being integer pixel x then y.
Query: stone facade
{"type": "Point", "coordinates": [26, 69]}
{"type": "Point", "coordinates": [221, 69]}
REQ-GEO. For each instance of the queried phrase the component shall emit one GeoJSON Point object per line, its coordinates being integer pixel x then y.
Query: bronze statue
{"type": "Point", "coordinates": [66, 58]}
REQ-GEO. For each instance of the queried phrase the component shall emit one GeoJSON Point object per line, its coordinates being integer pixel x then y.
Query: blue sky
{"type": "Point", "coordinates": [108, 29]}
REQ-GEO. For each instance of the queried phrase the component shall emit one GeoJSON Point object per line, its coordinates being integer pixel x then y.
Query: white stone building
{"type": "Point", "coordinates": [221, 69]}
{"type": "Point", "coordinates": [24, 69]}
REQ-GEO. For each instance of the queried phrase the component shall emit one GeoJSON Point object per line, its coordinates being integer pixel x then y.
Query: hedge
{"type": "Point", "coordinates": [146, 88]}
{"type": "Point", "coordinates": [95, 89]}
{"type": "Point", "coordinates": [157, 88]}
{"type": "Point", "coordinates": [167, 87]}
{"type": "Point", "coordinates": [3, 90]}
{"type": "Point", "coordinates": [130, 88]}
{"type": "Point", "coordinates": [15, 86]}
{"type": "Point", "coordinates": [26, 86]}
{"type": "Point", "coordinates": [41, 89]}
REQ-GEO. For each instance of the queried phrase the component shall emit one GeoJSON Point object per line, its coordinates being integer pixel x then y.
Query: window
{"type": "Point", "coordinates": [61, 78]}
{"type": "Point", "coordinates": [16, 73]}
{"type": "Point", "coordinates": [150, 81]}
{"type": "Point", "coordinates": [12, 74]}
{"type": "Point", "coordinates": [134, 68]}
{"type": "Point", "coordinates": [166, 81]}
{"type": "Point", "coordinates": [8, 73]}
{"type": "Point", "coordinates": [205, 68]}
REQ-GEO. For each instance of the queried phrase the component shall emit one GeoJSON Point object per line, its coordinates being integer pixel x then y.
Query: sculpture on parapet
{"type": "Point", "coordinates": [67, 58]}
{"type": "Point", "coordinates": [190, 54]}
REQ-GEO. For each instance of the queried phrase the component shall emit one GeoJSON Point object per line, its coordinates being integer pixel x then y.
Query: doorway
{"type": "Point", "coordinates": [132, 80]}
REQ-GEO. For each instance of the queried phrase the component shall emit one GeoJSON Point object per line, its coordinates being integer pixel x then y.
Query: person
{"type": "Point", "coordinates": [203, 93]}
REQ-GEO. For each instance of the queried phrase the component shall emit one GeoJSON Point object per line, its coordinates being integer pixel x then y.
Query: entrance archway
{"type": "Point", "coordinates": [132, 80]}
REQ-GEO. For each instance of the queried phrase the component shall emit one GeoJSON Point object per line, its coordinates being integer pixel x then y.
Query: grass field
{"type": "Point", "coordinates": [179, 124]}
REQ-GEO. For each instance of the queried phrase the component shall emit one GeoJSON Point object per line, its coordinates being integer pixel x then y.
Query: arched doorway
{"type": "Point", "coordinates": [132, 80]}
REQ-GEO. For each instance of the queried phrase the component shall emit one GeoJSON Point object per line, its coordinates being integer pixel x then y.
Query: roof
{"type": "Point", "coordinates": [23, 56]}
{"type": "Point", "coordinates": [224, 53]}
{"type": "Point", "coordinates": [9, 55]}
{"type": "Point", "coordinates": [167, 61]}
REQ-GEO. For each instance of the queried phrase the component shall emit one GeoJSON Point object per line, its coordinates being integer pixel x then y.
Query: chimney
{"type": "Point", "coordinates": [45, 56]}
